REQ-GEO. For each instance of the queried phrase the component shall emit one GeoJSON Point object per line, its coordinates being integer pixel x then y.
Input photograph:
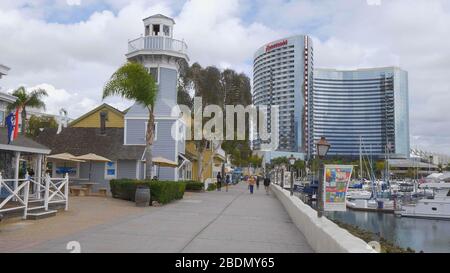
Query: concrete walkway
{"type": "Point", "coordinates": [233, 221]}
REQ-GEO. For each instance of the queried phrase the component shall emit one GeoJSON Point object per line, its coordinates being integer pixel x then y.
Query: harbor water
{"type": "Point", "coordinates": [425, 235]}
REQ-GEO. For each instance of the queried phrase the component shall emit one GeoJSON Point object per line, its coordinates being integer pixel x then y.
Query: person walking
{"type": "Point", "coordinates": [258, 178]}
{"type": "Point", "coordinates": [219, 181]}
{"type": "Point", "coordinates": [227, 181]}
{"type": "Point", "coordinates": [251, 183]}
{"type": "Point", "coordinates": [266, 184]}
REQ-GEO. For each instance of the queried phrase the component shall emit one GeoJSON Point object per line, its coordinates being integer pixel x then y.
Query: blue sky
{"type": "Point", "coordinates": [71, 47]}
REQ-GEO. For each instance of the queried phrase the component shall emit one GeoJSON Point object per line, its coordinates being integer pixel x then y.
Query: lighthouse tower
{"type": "Point", "coordinates": [163, 56]}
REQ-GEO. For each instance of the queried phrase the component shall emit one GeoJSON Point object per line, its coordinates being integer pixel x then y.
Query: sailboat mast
{"type": "Point", "coordinates": [360, 161]}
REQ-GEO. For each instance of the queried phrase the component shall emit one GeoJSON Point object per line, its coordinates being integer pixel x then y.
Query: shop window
{"type": "Point", "coordinates": [110, 170]}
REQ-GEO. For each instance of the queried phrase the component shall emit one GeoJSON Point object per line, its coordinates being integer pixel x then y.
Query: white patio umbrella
{"type": "Point", "coordinates": [65, 157]}
{"type": "Point", "coordinates": [92, 158]}
{"type": "Point", "coordinates": [161, 161]}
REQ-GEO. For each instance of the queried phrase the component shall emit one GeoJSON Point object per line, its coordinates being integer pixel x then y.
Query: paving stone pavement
{"type": "Point", "coordinates": [219, 221]}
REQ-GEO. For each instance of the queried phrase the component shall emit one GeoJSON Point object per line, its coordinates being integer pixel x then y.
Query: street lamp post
{"type": "Point", "coordinates": [276, 174]}
{"type": "Point", "coordinates": [283, 168]}
{"type": "Point", "coordinates": [291, 163]}
{"type": "Point", "coordinates": [322, 149]}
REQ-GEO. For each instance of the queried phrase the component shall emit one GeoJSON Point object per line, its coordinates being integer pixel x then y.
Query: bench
{"type": "Point", "coordinates": [103, 192]}
{"type": "Point", "coordinates": [78, 191]}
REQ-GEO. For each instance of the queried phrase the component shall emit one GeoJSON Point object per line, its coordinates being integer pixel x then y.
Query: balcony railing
{"type": "Point", "coordinates": [157, 43]}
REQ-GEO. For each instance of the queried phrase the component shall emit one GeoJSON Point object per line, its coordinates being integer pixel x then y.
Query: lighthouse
{"type": "Point", "coordinates": [163, 57]}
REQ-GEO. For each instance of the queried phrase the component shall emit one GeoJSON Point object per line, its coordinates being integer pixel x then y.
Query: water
{"type": "Point", "coordinates": [418, 234]}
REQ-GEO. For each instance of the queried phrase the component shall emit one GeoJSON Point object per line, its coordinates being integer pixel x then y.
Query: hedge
{"type": "Point", "coordinates": [212, 186]}
{"type": "Point", "coordinates": [192, 185]}
{"type": "Point", "coordinates": [161, 191]}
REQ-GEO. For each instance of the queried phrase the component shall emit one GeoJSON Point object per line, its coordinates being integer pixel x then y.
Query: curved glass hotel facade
{"type": "Point", "coordinates": [282, 75]}
{"type": "Point", "coordinates": [364, 105]}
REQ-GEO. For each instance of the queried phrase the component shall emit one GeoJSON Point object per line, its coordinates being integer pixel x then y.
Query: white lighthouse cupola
{"type": "Point", "coordinates": [163, 56]}
{"type": "Point", "coordinates": [159, 25]}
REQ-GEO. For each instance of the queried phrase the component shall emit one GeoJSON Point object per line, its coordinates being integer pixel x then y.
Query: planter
{"type": "Point", "coordinates": [142, 196]}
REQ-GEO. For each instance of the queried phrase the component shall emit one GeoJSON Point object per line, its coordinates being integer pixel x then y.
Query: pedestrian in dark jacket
{"type": "Point", "coordinates": [267, 183]}
{"type": "Point", "coordinates": [258, 178]}
{"type": "Point", "coordinates": [219, 181]}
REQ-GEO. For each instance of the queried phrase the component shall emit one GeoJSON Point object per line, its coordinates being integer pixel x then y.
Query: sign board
{"type": "Point", "coordinates": [336, 178]}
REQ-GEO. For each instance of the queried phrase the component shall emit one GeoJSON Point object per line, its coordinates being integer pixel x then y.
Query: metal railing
{"type": "Point", "coordinates": [157, 43]}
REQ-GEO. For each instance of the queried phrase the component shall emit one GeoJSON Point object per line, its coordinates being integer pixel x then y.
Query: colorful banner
{"type": "Point", "coordinates": [337, 178]}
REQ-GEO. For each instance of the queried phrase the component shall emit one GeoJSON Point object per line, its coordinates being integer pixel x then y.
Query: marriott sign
{"type": "Point", "coordinates": [275, 45]}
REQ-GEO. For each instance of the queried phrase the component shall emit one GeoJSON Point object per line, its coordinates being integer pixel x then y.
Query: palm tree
{"type": "Point", "coordinates": [24, 100]}
{"type": "Point", "coordinates": [132, 81]}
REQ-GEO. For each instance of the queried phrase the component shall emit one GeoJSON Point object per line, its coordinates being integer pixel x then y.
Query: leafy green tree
{"type": "Point", "coordinates": [132, 81]}
{"type": "Point", "coordinates": [219, 88]}
{"type": "Point", "coordinates": [36, 123]}
{"type": "Point", "coordinates": [380, 167]}
{"type": "Point", "coordinates": [27, 99]}
{"type": "Point", "coordinates": [410, 173]}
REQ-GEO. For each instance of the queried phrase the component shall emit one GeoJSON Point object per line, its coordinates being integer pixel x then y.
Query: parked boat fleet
{"type": "Point", "coordinates": [425, 198]}
{"type": "Point", "coordinates": [422, 199]}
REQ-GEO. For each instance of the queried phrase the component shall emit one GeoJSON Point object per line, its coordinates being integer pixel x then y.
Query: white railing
{"type": "Point", "coordinates": [17, 195]}
{"type": "Point", "coordinates": [157, 43]}
{"type": "Point", "coordinates": [44, 189]}
{"type": "Point", "coordinates": [51, 190]}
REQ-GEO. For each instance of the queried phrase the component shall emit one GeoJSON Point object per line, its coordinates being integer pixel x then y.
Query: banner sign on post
{"type": "Point", "coordinates": [336, 178]}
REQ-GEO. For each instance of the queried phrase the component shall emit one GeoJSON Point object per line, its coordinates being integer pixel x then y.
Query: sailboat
{"type": "Point", "coordinates": [373, 203]}
{"type": "Point", "coordinates": [436, 207]}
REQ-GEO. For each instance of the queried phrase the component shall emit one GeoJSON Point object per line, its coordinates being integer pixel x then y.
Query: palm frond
{"type": "Point", "coordinates": [35, 99]}
{"type": "Point", "coordinates": [132, 81]}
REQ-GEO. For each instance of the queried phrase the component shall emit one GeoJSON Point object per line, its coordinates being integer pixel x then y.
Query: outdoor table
{"type": "Point", "coordinates": [89, 186]}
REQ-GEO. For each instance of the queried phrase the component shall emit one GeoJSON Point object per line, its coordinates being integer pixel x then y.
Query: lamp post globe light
{"type": "Point", "coordinates": [291, 163]}
{"type": "Point", "coordinates": [322, 147]}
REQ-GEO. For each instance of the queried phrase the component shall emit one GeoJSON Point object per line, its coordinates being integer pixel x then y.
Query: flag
{"type": "Point", "coordinates": [16, 124]}
{"type": "Point", "coordinates": [10, 125]}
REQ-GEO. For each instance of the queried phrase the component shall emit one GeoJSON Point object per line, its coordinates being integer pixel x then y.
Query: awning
{"type": "Point", "coordinates": [65, 157]}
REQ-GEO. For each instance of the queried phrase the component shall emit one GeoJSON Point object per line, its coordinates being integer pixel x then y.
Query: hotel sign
{"type": "Point", "coordinates": [336, 178]}
{"type": "Point", "coordinates": [276, 45]}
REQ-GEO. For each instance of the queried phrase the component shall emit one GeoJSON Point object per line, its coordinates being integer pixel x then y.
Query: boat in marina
{"type": "Point", "coordinates": [358, 194]}
{"type": "Point", "coordinates": [370, 194]}
{"type": "Point", "coordinates": [375, 205]}
{"type": "Point", "coordinates": [436, 207]}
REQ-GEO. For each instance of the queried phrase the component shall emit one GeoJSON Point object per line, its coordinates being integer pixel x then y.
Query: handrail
{"type": "Point", "coordinates": [14, 192]}
{"type": "Point", "coordinates": [56, 190]}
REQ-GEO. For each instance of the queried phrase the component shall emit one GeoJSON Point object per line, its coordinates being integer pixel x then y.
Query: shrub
{"type": "Point", "coordinates": [212, 186]}
{"type": "Point", "coordinates": [161, 191]}
{"type": "Point", "coordinates": [192, 185]}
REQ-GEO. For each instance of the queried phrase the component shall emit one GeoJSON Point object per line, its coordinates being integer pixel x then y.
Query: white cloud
{"type": "Point", "coordinates": [78, 58]}
{"type": "Point", "coordinates": [73, 2]}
